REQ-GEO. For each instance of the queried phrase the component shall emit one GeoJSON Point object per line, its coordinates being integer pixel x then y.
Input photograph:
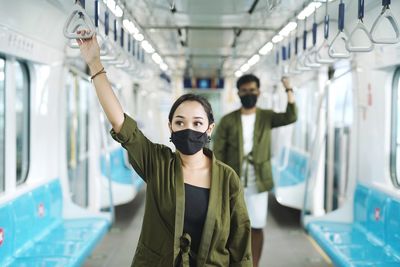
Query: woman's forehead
{"type": "Point", "coordinates": [190, 109]}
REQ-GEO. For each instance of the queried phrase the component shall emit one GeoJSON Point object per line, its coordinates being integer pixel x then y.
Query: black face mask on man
{"type": "Point", "coordinates": [188, 141]}
{"type": "Point", "coordinates": [249, 100]}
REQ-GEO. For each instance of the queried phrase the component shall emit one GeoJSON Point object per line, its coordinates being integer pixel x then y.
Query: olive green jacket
{"type": "Point", "coordinates": [228, 142]}
{"type": "Point", "coordinates": [226, 233]}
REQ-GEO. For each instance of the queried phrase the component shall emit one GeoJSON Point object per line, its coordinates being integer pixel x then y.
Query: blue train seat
{"type": "Point", "coordinates": [36, 234]}
{"type": "Point", "coordinates": [372, 239]}
{"type": "Point", "coordinates": [118, 171]}
{"type": "Point", "coordinates": [294, 172]}
{"type": "Point", "coordinates": [278, 164]}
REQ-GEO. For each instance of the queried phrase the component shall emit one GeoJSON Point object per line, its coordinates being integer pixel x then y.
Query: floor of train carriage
{"type": "Point", "coordinates": [285, 243]}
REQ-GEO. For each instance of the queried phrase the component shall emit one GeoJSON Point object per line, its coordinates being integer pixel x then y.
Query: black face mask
{"type": "Point", "coordinates": [249, 100]}
{"type": "Point", "coordinates": [188, 141]}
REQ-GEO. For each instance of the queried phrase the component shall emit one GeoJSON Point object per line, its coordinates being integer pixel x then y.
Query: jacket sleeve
{"type": "Point", "coordinates": [220, 137]}
{"type": "Point", "coordinates": [288, 117]}
{"type": "Point", "coordinates": [143, 154]}
{"type": "Point", "coordinates": [239, 241]}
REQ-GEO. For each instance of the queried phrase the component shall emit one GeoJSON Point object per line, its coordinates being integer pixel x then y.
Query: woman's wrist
{"type": "Point", "coordinates": [95, 66]}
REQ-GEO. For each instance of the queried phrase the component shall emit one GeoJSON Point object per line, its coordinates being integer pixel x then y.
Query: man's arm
{"type": "Point", "coordinates": [290, 116]}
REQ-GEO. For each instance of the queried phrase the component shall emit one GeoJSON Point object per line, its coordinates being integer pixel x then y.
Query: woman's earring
{"type": "Point", "coordinates": [170, 139]}
{"type": "Point", "coordinates": [209, 139]}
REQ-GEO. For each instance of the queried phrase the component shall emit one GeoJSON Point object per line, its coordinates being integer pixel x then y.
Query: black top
{"type": "Point", "coordinates": [196, 206]}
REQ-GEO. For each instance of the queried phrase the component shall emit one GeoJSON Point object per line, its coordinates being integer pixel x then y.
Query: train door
{"type": "Point", "coordinates": [339, 120]}
{"type": "Point", "coordinates": [395, 142]}
{"type": "Point", "coordinates": [2, 125]}
{"type": "Point", "coordinates": [78, 138]}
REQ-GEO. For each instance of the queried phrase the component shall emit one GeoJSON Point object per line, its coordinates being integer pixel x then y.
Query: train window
{"type": "Point", "coordinates": [78, 138]}
{"type": "Point", "coordinates": [395, 142]}
{"type": "Point", "coordinates": [300, 133]}
{"type": "Point", "coordinates": [2, 121]}
{"type": "Point", "coordinates": [22, 120]}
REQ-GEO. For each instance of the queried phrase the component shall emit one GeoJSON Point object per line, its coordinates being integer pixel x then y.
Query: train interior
{"type": "Point", "coordinates": [68, 195]}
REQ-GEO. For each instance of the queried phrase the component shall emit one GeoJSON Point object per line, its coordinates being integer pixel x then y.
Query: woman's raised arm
{"type": "Point", "coordinates": [90, 51]}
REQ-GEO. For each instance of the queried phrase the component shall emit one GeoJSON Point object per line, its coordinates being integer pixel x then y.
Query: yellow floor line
{"type": "Point", "coordinates": [319, 250]}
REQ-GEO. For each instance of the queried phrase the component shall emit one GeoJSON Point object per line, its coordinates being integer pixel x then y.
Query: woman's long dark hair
{"type": "Point", "coordinates": [192, 97]}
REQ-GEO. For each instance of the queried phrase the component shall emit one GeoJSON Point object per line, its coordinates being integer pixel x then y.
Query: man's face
{"type": "Point", "coordinates": [248, 89]}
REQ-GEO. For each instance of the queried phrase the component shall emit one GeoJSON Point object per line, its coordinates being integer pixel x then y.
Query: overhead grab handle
{"type": "Point", "coordinates": [78, 20]}
{"type": "Point", "coordinates": [337, 48]}
{"type": "Point", "coordinates": [322, 55]}
{"type": "Point", "coordinates": [293, 62]}
{"type": "Point", "coordinates": [357, 33]}
{"type": "Point", "coordinates": [385, 14]}
{"type": "Point", "coordinates": [100, 39]}
{"type": "Point", "coordinates": [301, 62]}
{"type": "Point", "coordinates": [310, 59]}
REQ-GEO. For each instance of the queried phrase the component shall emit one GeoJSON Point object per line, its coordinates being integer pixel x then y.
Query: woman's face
{"type": "Point", "coordinates": [191, 115]}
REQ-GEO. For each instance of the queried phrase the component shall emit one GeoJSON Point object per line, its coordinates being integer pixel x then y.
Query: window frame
{"type": "Point", "coordinates": [79, 96]}
{"type": "Point", "coordinates": [393, 140]}
{"type": "Point", "coordinates": [3, 183]}
{"type": "Point", "coordinates": [27, 78]}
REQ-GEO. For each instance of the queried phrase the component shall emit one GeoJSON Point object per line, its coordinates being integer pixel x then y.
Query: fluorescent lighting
{"type": "Point", "coordinates": [164, 66]}
{"type": "Point", "coordinates": [118, 11]}
{"type": "Point", "coordinates": [307, 11]}
{"type": "Point", "coordinates": [147, 47]}
{"type": "Point", "coordinates": [266, 48]}
{"type": "Point", "coordinates": [157, 59]}
{"type": "Point", "coordinates": [277, 38]}
{"type": "Point", "coordinates": [288, 28]}
{"type": "Point", "coordinates": [115, 9]}
{"type": "Point", "coordinates": [238, 73]}
{"type": "Point", "coordinates": [245, 67]}
{"type": "Point", "coordinates": [139, 37]}
{"type": "Point", "coordinates": [129, 26]}
{"type": "Point", "coordinates": [253, 60]}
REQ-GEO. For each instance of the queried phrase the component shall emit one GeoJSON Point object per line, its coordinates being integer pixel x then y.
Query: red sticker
{"type": "Point", "coordinates": [369, 95]}
{"type": "Point", "coordinates": [377, 214]}
{"type": "Point", "coordinates": [1, 236]}
{"type": "Point", "coordinates": [41, 210]}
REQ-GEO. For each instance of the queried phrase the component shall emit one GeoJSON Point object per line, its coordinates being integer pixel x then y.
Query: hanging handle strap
{"type": "Point", "coordinates": [386, 13]}
{"type": "Point", "coordinates": [78, 20]}
{"type": "Point", "coordinates": [106, 23]}
{"type": "Point", "coordinates": [115, 30]}
{"type": "Point", "coordinates": [304, 40]}
{"type": "Point", "coordinates": [314, 33]}
{"type": "Point", "coordinates": [96, 13]}
{"type": "Point", "coordinates": [296, 45]}
{"type": "Point", "coordinates": [353, 42]}
{"type": "Point", "coordinates": [326, 27]}
{"type": "Point", "coordinates": [289, 50]}
{"type": "Point", "coordinates": [386, 3]}
{"type": "Point", "coordinates": [122, 37]}
{"type": "Point", "coordinates": [341, 17]}
{"type": "Point", "coordinates": [284, 53]}
{"type": "Point", "coordinates": [361, 8]}
{"type": "Point", "coordinates": [340, 37]}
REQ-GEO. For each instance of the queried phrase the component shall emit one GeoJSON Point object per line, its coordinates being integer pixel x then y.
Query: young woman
{"type": "Point", "coordinates": [195, 213]}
